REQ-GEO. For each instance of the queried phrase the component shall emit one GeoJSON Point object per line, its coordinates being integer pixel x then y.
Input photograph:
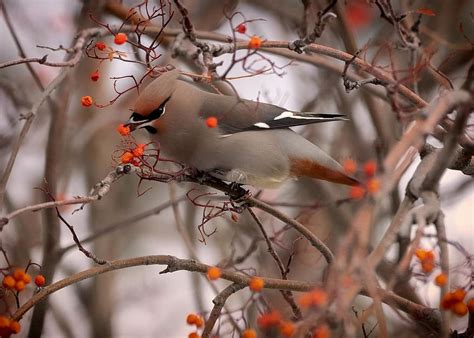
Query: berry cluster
{"type": "Point", "coordinates": [427, 259]}
{"type": "Point", "coordinates": [272, 322]}
{"type": "Point", "coordinates": [19, 279]}
{"type": "Point", "coordinates": [370, 184]}
{"type": "Point", "coordinates": [454, 301]}
{"type": "Point", "coordinates": [16, 282]}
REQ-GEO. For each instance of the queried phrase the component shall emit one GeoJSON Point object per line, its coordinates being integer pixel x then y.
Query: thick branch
{"type": "Point", "coordinates": [173, 263]}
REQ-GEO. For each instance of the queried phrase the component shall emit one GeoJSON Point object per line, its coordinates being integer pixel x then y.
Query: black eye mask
{"type": "Point", "coordinates": [155, 114]}
{"type": "Point", "coordinates": [150, 129]}
{"type": "Point", "coordinates": [135, 117]}
{"type": "Point", "coordinates": [158, 112]}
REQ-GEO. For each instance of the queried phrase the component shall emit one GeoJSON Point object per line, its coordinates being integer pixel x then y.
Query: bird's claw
{"type": "Point", "coordinates": [238, 195]}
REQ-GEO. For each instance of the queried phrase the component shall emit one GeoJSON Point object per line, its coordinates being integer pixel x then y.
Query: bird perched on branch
{"type": "Point", "coordinates": [233, 139]}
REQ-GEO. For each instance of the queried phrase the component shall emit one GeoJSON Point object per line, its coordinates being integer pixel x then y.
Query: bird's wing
{"type": "Point", "coordinates": [236, 115]}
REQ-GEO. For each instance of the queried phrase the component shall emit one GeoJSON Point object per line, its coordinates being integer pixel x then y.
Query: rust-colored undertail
{"type": "Point", "coordinates": [304, 167]}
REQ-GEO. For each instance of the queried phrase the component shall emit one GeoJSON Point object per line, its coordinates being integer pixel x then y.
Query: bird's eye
{"type": "Point", "coordinates": [158, 112]}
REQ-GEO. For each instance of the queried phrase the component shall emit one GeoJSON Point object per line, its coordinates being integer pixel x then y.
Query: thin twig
{"type": "Point", "coordinates": [219, 302]}
{"type": "Point", "coordinates": [312, 238]}
{"type": "Point", "coordinates": [287, 295]}
{"type": "Point", "coordinates": [100, 190]}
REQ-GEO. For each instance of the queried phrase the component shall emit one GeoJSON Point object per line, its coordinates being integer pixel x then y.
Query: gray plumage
{"type": "Point", "coordinates": [252, 143]}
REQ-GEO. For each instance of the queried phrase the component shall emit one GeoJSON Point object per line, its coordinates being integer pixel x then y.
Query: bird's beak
{"type": "Point", "coordinates": [133, 125]}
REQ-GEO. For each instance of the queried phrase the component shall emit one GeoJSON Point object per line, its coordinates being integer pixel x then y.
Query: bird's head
{"type": "Point", "coordinates": [151, 103]}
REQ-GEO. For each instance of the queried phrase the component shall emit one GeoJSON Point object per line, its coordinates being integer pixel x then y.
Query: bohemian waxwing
{"type": "Point", "coordinates": [252, 143]}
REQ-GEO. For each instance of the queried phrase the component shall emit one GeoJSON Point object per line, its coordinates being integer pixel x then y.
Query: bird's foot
{"type": "Point", "coordinates": [238, 195]}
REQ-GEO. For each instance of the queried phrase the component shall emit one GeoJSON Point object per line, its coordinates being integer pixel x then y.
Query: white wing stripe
{"type": "Point", "coordinates": [289, 114]}
{"type": "Point", "coordinates": [262, 125]}
{"type": "Point", "coordinates": [283, 115]}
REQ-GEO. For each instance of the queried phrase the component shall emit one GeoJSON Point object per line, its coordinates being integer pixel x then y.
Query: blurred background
{"type": "Point", "coordinates": [138, 302]}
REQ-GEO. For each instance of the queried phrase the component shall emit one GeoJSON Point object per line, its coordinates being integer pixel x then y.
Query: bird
{"type": "Point", "coordinates": [252, 143]}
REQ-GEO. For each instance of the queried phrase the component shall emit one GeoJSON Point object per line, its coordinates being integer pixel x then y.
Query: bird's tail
{"type": "Point", "coordinates": [305, 167]}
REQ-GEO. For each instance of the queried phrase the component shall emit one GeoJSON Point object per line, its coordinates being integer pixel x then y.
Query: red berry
{"type": "Point", "coordinates": [241, 28]}
{"type": "Point", "coordinates": [370, 168]}
{"type": "Point", "coordinates": [100, 45]}
{"type": "Point", "coordinates": [95, 76]}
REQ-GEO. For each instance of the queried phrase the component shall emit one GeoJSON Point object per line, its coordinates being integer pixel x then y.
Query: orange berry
{"type": "Point", "coordinates": [429, 256]}
{"type": "Point", "coordinates": [458, 295]}
{"type": "Point", "coordinates": [120, 38]}
{"type": "Point", "coordinates": [8, 282]}
{"type": "Point", "coordinates": [256, 284]}
{"type": "Point", "coordinates": [123, 130]}
{"type": "Point", "coordinates": [460, 309]}
{"type": "Point", "coordinates": [15, 327]}
{"type": "Point", "coordinates": [4, 322]}
{"type": "Point", "coordinates": [127, 157]}
{"type": "Point", "coordinates": [350, 166]}
{"type": "Point", "coordinates": [40, 280]}
{"type": "Point", "coordinates": [269, 319]}
{"type": "Point", "coordinates": [249, 333]}
{"type": "Point", "coordinates": [100, 45]}
{"type": "Point", "coordinates": [20, 286]}
{"type": "Point", "coordinates": [305, 300]}
{"type": "Point", "coordinates": [199, 321]}
{"type": "Point", "coordinates": [313, 298]}
{"type": "Point", "coordinates": [211, 122]}
{"type": "Point", "coordinates": [470, 305]}
{"type": "Point", "coordinates": [234, 217]}
{"type": "Point", "coordinates": [441, 279]}
{"type": "Point", "coordinates": [373, 185]}
{"type": "Point", "coordinates": [18, 274]}
{"type": "Point", "coordinates": [420, 254]}
{"type": "Point", "coordinates": [321, 332]}
{"type": "Point", "coordinates": [287, 329]}
{"type": "Point", "coordinates": [139, 150]}
{"type": "Point", "coordinates": [241, 28]}
{"type": "Point", "coordinates": [320, 297]}
{"type": "Point", "coordinates": [95, 76]}
{"type": "Point", "coordinates": [27, 278]}
{"type": "Point", "coordinates": [255, 42]}
{"type": "Point", "coordinates": [370, 168]}
{"type": "Point", "coordinates": [447, 301]}
{"type": "Point", "coordinates": [357, 192]}
{"type": "Point", "coordinates": [194, 335]}
{"type": "Point", "coordinates": [427, 266]}
{"type": "Point", "coordinates": [191, 319]}
{"type": "Point", "coordinates": [87, 101]}
{"type": "Point", "coordinates": [214, 273]}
